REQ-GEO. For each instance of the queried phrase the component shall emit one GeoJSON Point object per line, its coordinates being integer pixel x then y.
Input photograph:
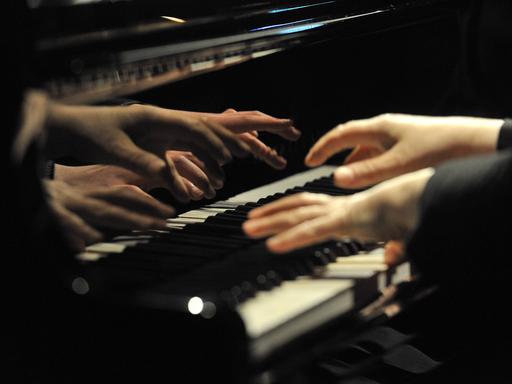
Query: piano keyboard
{"type": "Point", "coordinates": [206, 258]}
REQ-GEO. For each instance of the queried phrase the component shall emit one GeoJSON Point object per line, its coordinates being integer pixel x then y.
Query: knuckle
{"type": "Point", "coordinates": [306, 197]}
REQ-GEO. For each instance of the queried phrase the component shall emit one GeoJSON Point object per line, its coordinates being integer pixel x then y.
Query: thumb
{"type": "Point", "coordinates": [138, 160]}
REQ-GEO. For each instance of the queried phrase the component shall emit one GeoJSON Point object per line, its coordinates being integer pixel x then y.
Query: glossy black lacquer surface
{"type": "Point", "coordinates": [99, 50]}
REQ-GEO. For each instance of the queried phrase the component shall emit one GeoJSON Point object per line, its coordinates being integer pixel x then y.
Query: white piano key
{"type": "Point", "coordinates": [274, 318]}
{"type": "Point", "coordinates": [282, 185]}
{"type": "Point", "coordinates": [292, 298]}
{"type": "Point", "coordinates": [106, 248]}
{"type": "Point", "coordinates": [89, 256]}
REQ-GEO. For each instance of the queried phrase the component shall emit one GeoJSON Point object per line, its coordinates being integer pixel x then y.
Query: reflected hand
{"type": "Point", "coordinates": [138, 137]}
{"type": "Point", "coordinates": [188, 166]}
{"type": "Point", "coordinates": [84, 212]}
{"type": "Point", "coordinates": [247, 124]}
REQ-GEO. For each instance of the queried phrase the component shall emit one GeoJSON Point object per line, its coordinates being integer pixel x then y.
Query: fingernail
{"type": "Point", "coordinates": [253, 213]}
{"type": "Point", "coordinates": [251, 225]}
{"type": "Point", "coordinates": [310, 161]}
{"type": "Point", "coordinates": [196, 192]}
{"type": "Point", "coordinates": [274, 244]}
{"type": "Point", "coordinates": [344, 175]}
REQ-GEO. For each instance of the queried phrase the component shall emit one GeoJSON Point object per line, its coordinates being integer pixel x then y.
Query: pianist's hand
{"type": "Point", "coordinates": [85, 212]}
{"type": "Point", "coordinates": [386, 212]}
{"type": "Point", "coordinates": [247, 124]}
{"type": "Point", "coordinates": [390, 145]}
{"type": "Point", "coordinates": [137, 138]}
{"type": "Point", "coordinates": [189, 167]}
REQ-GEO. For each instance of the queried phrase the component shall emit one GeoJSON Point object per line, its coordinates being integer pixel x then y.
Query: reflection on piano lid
{"type": "Point", "coordinates": [205, 261]}
{"type": "Point", "coordinates": [98, 50]}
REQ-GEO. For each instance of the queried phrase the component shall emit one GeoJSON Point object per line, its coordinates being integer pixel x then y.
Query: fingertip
{"type": "Point", "coordinates": [160, 224]}
{"type": "Point", "coordinates": [248, 228]}
{"type": "Point", "coordinates": [311, 160]}
{"type": "Point", "coordinates": [167, 211]}
{"type": "Point", "coordinates": [344, 176]}
{"type": "Point", "coordinates": [275, 245]}
{"type": "Point", "coordinates": [254, 213]}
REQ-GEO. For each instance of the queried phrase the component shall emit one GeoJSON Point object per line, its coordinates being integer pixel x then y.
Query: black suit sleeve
{"type": "Point", "coordinates": [464, 227]}
{"type": "Point", "coordinates": [505, 136]}
{"type": "Point", "coordinates": [463, 243]}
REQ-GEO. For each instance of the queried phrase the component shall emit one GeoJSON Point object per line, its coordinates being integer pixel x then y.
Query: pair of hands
{"type": "Point", "coordinates": [135, 141]}
{"type": "Point", "coordinates": [138, 138]}
{"type": "Point", "coordinates": [198, 179]}
{"type": "Point", "coordinates": [384, 147]}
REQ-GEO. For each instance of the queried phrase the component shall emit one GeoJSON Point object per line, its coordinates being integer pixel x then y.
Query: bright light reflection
{"type": "Point", "coordinates": [195, 305]}
{"type": "Point", "coordinates": [301, 28]}
{"type": "Point", "coordinates": [279, 25]}
{"type": "Point", "coordinates": [299, 7]}
{"type": "Point", "coordinates": [174, 19]}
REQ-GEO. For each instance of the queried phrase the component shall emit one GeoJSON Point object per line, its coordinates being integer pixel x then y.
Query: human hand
{"type": "Point", "coordinates": [388, 211]}
{"type": "Point", "coordinates": [188, 166]}
{"type": "Point", "coordinates": [390, 145]}
{"type": "Point", "coordinates": [84, 212]}
{"type": "Point", "coordinates": [247, 124]}
{"type": "Point", "coordinates": [138, 137]}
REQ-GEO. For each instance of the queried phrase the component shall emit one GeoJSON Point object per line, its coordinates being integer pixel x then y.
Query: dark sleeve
{"type": "Point", "coordinates": [464, 230]}
{"type": "Point", "coordinates": [505, 136]}
{"type": "Point", "coordinates": [49, 171]}
{"type": "Point", "coordinates": [462, 244]}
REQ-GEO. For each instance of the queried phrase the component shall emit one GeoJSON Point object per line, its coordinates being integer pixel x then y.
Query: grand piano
{"type": "Point", "coordinates": [201, 301]}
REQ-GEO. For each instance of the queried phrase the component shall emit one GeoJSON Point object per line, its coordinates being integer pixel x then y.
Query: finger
{"type": "Point", "coordinates": [263, 152]}
{"type": "Point", "coordinates": [230, 110]}
{"type": "Point", "coordinates": [133, 198]}
{"type": "Point", "coordinates": [174, 181]}
{"type": "Point", "coordinates": [289, 202]}
{"type": "Point", "coordinates": [362, 152]}
{"type": "Point", "coordinates": [77, 231]}
{"type": "Point", "coordinates": [371, 171]}
{"type": "Point", "coordinates": [128, 155]}
{"type": "Point", "coordinates": [309, 232]}
{"type": "Point", "coordinates": [194, 192]}
{"type": "Point", "coordinates": [212, 169]}
{"type": "Point", "coordinates": [235, 145]}
{"type": "Point", "coordinates": [263, 227]}
{"type": "Point", "coordinates": [250, 121]}
{"type": "Point", "coordinates": [99, 213]}
{"type": "Point", "coordinates": [192, 170]}
{"type": "Point", "coordinates": [344, 136]}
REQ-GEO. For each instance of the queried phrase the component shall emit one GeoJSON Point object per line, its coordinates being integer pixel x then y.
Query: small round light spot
{"type": "Point", "coordinates": [195, 305]}
{"type": "Point", "coordinates": [80, 286]}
